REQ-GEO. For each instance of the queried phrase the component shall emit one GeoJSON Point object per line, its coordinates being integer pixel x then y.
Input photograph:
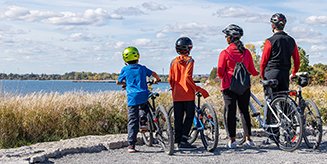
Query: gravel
{"type": "Point", "coordinates": [112, 149]}
{"type": "Point", "coordinates": [260, 154]}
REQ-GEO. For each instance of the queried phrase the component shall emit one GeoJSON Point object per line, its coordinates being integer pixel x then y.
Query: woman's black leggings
{"type": "Point", "coordinates": [230, 99]}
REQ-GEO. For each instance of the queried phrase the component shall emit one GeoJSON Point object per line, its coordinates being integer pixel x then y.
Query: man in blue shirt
{"type": "Point", "coordinates": [133, 76]}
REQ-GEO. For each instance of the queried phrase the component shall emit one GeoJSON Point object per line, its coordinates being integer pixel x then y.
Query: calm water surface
{"type": "Point", "coordinates": [61, 86]}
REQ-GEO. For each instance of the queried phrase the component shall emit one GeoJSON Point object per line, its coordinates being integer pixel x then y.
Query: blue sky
{"type": "Point", "coordinates": [81, 35]}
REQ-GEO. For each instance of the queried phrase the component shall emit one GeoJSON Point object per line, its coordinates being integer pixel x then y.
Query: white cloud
{"type": "Point", "coordinates": [142, 42]}
{"type": "Point", "coordinates": [306, 35]}
{"type": "Point", "coordinates": [317, 20]}
{"type": "Point", "coordinates": [119, 44]}
{"type": "Point", "coordinates": [160, 35]}
{"type": "Point", "coordinates": [129, 11]}
{"type": "Point", "coordinates": [79, 37]}
{"type": "Point", "coordinates": [318, 48]}
{"type": "Point", "coordinates": [192, 29]}
{"type": "Point", "coordinates": [241, 12]}
{"type": "Point", "coordinates": [153, 6]}
{"type": "Point", "coordinates": [21, 13]}
{"type": "Point", "coordinates": [90, 16]}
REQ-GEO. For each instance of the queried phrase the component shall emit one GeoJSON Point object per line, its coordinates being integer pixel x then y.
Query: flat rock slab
{"type": "Point", "coordinates": [40, 152]}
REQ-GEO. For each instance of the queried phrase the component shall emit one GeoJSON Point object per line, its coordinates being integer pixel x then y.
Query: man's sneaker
{"type": "Point", "coordinates": [186, 145]}
{"type": "Point", "coordinates": [231, 145]}
{"type": "Point", "coordinates": [131, 149]}
{"type": "Point", "coordinates": [249, 143]}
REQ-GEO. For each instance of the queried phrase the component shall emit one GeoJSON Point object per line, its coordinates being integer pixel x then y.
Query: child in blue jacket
{"type": "Point", "coordinates": [134, 76]}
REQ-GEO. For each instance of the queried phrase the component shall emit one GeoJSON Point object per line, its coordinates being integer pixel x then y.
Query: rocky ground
{"type": "Point", "coordinates": [112, 149]}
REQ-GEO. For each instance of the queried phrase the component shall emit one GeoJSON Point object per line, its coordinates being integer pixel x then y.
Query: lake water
{"type": "Point", "coordinates": [61, 86]}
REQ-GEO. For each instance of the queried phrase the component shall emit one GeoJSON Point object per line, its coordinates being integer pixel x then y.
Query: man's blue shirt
{"type": "Point", "coordinates": [135, 77]}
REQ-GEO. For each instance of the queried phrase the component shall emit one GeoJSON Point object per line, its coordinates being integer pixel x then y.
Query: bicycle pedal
{"type": "Point", "coordinates": [255, 114]}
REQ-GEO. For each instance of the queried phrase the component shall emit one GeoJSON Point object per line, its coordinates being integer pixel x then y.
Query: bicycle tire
{"type": "Point", "coordinates": [147, 136]}
{"type": "Point", "coordinates": [209, 119]}
{"type": "Point", "coordinates": [290, 132]}
{"type": "Point", "coordinates": [313, 125]}
{"type": "Point", "coordinates": [164, 132]}
{"type": "Point", "coordinates": [193, 133]}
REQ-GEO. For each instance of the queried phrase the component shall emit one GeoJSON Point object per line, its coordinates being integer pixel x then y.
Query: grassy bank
{"type": "Point", "coordinates": [43, 117]}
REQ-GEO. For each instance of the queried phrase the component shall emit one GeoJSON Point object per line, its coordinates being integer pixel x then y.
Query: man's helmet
{"type": "Point", "coordinates": [183, 45]}
{"type": "Point", "coordinates": [234, 31]}
{"type": "Point", "coordinates": [130, 54]}
{"type": "Point", "coordinates": [278, 20]}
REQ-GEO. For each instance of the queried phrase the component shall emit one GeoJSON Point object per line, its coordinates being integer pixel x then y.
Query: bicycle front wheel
{"type": "Point", "coordinates": [312, 125]}
{"type": "Point", "coordinates": [210, 133]}
{"type": "Point", "coordinates": [290, 132]}
{"type": "Point", "coordinates": [164, 132]}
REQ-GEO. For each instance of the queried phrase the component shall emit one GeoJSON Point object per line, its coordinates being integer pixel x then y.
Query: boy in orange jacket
{"type": "Point", "coordinates": [183, 91]}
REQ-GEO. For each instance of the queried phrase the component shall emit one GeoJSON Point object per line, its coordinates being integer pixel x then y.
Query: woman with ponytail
{"type": "Point", "coordinates": [235, 53]}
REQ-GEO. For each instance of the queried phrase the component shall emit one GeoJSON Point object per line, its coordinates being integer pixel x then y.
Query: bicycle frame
{"type": "Point", "coordinates": [265, 108]}
{"type": "Point", "coordinates": [198, 115]}
{"type": "Point", "coordinates": [196, 120]}
{"type": "Point", "coordinates": [152, 107]}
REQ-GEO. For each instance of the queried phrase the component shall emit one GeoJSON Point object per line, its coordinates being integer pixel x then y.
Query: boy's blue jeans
{"type": "Point", "coordinates": [134, 114]}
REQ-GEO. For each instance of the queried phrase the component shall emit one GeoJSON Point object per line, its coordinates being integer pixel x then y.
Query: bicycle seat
{"type": "Point", "coordinates": [269, 83]}
{"type": "Point", "coordinates": [302, 74]}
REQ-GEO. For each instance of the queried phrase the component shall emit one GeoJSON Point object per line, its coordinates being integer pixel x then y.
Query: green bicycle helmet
{"type": "Point", "coordinates": [130, 54]}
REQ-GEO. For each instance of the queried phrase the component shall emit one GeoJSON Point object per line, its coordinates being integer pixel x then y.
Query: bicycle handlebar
{"type": "Point", "coordinates": [151, 82]}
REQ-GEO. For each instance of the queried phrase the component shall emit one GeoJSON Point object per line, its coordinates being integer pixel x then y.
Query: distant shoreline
{"type": "Point", "coordinates": [94, 81]}
{"type": "Point", "coordinates": [75, 81]}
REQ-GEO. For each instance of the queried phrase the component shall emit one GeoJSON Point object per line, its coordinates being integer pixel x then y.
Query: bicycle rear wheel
{"type": "Point", "coordinates": [210, 133]}
{"type": "Point", "coordinates": [312, 125]}
{"type": "Point", "coordinates": [193, 132]}
{"type": "Point", "coordinates": [290, 132]}
{"type": "Point", "coordinates": [147, 136]}
{"type": "Point", "coordinates": [164, 132]}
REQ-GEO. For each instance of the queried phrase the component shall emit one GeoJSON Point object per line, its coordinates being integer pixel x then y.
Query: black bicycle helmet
{"type": "Point", "coordinates": [278, 20]}
{"type": "Point", "coordinates": [183, 45]}
{"type": "Point", "coordinates": [234, 31]}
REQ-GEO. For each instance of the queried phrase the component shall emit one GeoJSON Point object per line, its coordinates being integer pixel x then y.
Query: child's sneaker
{"type": "Point", "coordinates": [131, 149]}
{"type": "Point", "coordinates": [231, 145]}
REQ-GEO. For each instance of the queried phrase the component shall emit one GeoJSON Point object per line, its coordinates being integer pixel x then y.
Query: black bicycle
{"type": "Point", "coordinates": [205, 123]}
{"type": "Point", "coordinates": [312, 122]}
{"type": "Point", "coordinates": [159, 126]}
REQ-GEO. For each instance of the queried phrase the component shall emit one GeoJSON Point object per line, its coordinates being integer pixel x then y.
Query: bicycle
{"type": "Point", "coordinates": [205, 123]}
{"type": "Point", "coordinates": [159, 126]}
{"type": "Point", "coordinates": [309, 111]}
{"type": "Point", "coordinates": [286, 117]}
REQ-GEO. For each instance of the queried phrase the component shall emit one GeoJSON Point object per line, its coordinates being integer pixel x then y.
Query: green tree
{"type": "Point", "coordinates": [304, 60]}
{"type": "Point", "coordinates": [213, 73]}
{"type": "Point", "coordinates": [256, 58]}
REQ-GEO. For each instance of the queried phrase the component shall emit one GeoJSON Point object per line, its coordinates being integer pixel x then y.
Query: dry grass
{"type": "Point", "coordinates": [43, 117]}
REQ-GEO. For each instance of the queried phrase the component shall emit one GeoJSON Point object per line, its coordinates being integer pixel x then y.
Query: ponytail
{"type": "Point", "coordinates": [239, 44]}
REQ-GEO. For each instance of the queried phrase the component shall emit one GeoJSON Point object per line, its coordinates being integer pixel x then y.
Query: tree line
{"type": "Point", "coordinates": [67, 76]}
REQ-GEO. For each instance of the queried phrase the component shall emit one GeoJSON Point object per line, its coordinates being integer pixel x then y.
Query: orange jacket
{"type": "Point", "coordinates": [181, 81]}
